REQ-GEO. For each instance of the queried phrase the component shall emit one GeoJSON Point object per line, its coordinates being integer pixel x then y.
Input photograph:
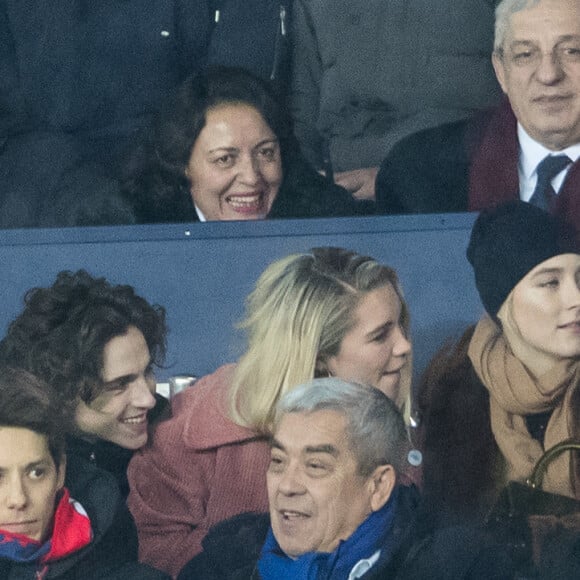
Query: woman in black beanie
{"type": "Point", "coordinates": [510, 388]}
{"type": "Point", "coordinates": [527, 352]}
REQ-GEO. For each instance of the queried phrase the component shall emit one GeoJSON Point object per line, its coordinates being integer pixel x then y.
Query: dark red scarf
{"type": "Point", "coordinates": [493, 176]}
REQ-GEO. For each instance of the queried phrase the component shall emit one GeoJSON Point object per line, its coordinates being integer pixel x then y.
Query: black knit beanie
{"type": "Point", "coordinates": [510, 240]}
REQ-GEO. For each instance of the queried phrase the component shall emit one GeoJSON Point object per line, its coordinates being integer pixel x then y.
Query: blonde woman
{"type": "Point", "coordinates": [326, 312]}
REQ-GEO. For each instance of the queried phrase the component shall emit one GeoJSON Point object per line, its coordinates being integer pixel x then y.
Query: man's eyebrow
{"type": "Point", "coordinates": [124, 379]}
{"type": "Point", "coordinates": [275, 444]}
{"type": "Point", "coordinates": [559, 40]}
{"type": "Point", "coordinates": [515, 42]}
{"type": "Point", "coordinates": [567, 37]}
{"type": "Point", "coordinates": [309, 449]}
{"type": "Point", "coordinates": [326, 448]}
{"type": "Point", "coordinates": [42, 462]}
{"type": "Point", "coordinates": [38, 463]}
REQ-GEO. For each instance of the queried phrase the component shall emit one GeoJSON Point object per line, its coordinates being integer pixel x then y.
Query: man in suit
{"type": "Point", "coordinates": [527, 148]}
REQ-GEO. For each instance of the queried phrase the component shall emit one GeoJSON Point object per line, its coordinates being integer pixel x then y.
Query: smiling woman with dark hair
{"type": "Point", "coordinates": [223, 149]}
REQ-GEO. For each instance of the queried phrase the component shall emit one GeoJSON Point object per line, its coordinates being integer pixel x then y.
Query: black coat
{"type": "Point", "coordinates": [305, 193]}
{"type": "Point", "coordinates": [232, 550]}
{"type": "Point", "coordinates": [109, 456]}
{"type": "Point", "coordinates": [427, 172]}
{"type": "Point", "coordinates": [103, 558]}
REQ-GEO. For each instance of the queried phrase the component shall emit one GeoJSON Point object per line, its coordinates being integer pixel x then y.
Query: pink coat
{"type": "Point", "coordinates": [198, 469]}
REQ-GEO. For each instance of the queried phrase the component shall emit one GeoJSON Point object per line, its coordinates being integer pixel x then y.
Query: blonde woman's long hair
{"type": "Point", "coordinates": [296, 317]}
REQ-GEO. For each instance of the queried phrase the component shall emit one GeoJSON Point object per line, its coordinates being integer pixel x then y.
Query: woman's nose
{"type": "Point", "coordinates": [249, 173]}
{"type": "Point", "coordinates": [402, 345]}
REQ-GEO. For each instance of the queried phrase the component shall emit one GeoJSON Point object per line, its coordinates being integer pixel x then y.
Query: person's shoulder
{"type": "Point", "coordinates": [426, 549]}
{"type": "Point", "coordinates": [103, 454]}
{"type": "Point", "coordinates": [460, 552]}
{"type": "Point", "coordinates": [98, 567]}
{"type": "Point", "coordinates": [207, 393]}
{"type": "Point", "coordinates": [98, 492]}
{"type": "Point", "coordinates": [246, 530]}
{"type": "Point", "coordinates": [89, 483]}
{"type": "Point", "coordinates": [230, 549]}
{"type": "Point", "coordinates": [306, 193]}
{"type": "Point", "coordinates": [199, 415]}
{"type": "Point", "coordinates": [426, 172]}
{"type": "Point", "coordinates": [434, 141]}
{"type": "Point", "coordinates": [130, 571]}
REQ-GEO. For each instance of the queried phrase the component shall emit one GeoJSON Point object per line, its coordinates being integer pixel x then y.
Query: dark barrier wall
{"type": "Point", "coordinates": [203, 272]}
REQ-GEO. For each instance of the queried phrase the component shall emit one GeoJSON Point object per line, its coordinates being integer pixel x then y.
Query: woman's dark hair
{"type": "Point", "coordinates": [28, 403]}
{"type": "Point", "coordinates": [154, 176]}
{"type": "Point", "coordinates": [62, 332]}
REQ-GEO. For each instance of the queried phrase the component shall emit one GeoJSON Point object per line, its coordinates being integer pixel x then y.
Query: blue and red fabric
{"type": "Point", "coordinates": [71, 531]}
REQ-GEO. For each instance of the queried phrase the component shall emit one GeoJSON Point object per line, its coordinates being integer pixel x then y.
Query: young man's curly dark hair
{"type": "Point", "coordinates": [61, 334]}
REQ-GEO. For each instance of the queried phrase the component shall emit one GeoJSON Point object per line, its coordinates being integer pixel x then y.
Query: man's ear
{"type": "Point", "coordinates": [61, 471]}
{"type": "Point", "coordinates": [498, 67]}
{"type": "Point", "coordinates": [383, 481]}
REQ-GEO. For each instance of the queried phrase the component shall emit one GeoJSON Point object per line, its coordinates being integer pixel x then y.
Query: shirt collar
{"type": "Point", "coordinates": [199, 213]}
{"type": "Point", "coordinates": [363, 566]}
{"type": "Point", "coordinates": [532, 153]}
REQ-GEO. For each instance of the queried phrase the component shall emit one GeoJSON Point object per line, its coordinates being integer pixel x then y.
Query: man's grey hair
{"type": "Point", "coordinates": [503, 13]}
{"type": "Point", "coordinates": [375, 427]}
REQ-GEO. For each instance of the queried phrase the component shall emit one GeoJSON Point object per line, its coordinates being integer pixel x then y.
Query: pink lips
{"type": "Point", "coordinates": [246, 203]}
{"type": "Point", "coordinates": [287, 514]}
{"type": "Point", "coordinates": [574, 325]}
{"type": "Point", "coordinates": [22, 528]}
{"type": "Point", "coordinates": [290, 522]}
{"type": "Point", "coordinates": [136, 424]}
{"type": "Point", "coordinates": [552, 100]}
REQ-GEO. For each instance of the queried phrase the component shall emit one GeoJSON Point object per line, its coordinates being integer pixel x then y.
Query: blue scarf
{"type": "Point", "coordinates": [19, 548]}
{"type": "Point", "coordinates": [372, 535]}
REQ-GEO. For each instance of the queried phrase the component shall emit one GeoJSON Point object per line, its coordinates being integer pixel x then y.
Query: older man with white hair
{"type": "Point", "coordinates": [528, 148]}
{"type": "Point", "coordinates": [337, 510]}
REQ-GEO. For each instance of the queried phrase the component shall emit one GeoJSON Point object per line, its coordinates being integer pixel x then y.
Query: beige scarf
{"type": "Point", "coordinates": [515, 393]}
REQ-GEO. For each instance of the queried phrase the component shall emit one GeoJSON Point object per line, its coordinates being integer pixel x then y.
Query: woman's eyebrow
{"type": "Point", "coordinates": [264, 141]}
{"type": "Point", "coordinates": [544, 271]}
{"type": "Point", "coordinates": [229, 149]}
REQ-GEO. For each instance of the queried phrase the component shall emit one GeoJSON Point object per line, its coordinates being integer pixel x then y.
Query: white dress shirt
{"type": "Point", "coordinates": [531, 155]}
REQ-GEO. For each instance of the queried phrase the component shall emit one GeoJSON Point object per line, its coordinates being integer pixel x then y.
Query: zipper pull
{"type": "Point", "coordinates": [282, 20]}
{"type": "Point", "coordinates": [216, 16]}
